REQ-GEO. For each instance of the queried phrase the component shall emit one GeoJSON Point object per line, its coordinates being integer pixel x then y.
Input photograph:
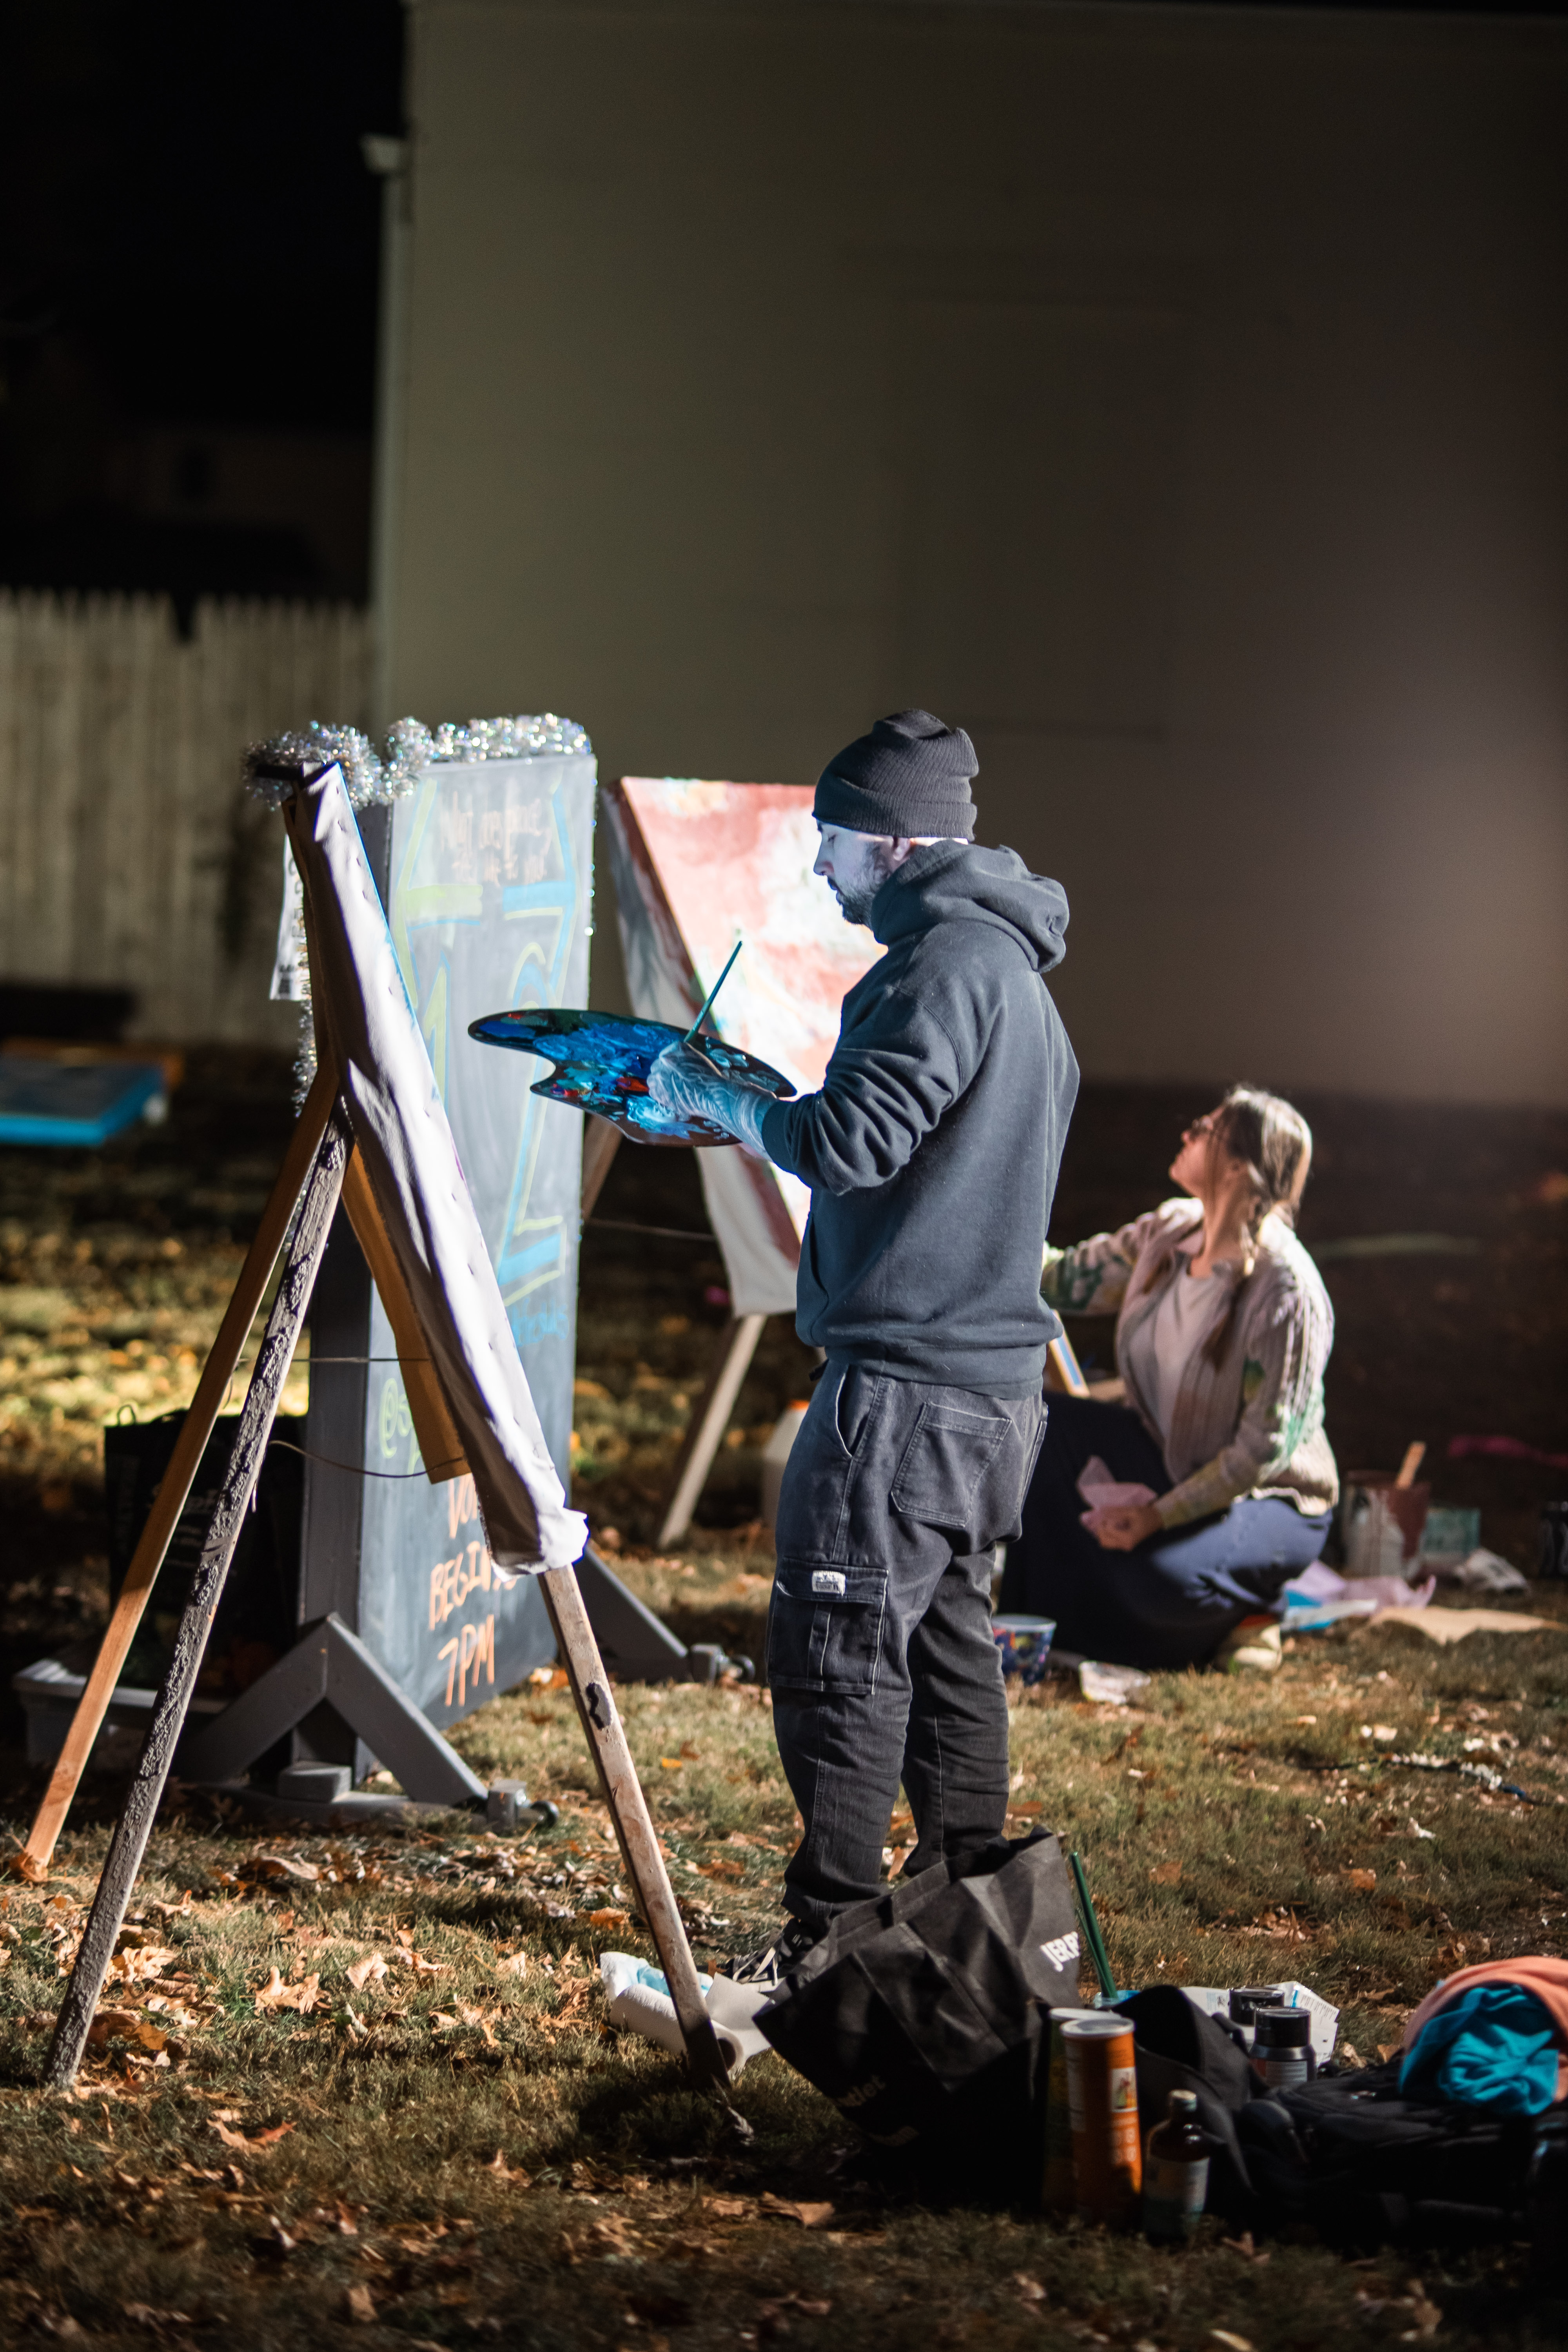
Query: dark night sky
{"type": "Point", "coordinates": [181, 187]}
{"type": "Point", "coordinates": [188, 238]}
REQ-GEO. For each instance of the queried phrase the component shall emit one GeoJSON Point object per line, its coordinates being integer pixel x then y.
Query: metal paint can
{"type": "Point", "coordinates": [1102, 2101]}
{"type": "Point", "coordinates": [1056, 2180]}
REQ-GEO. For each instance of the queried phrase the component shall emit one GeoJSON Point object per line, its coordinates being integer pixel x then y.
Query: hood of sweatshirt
{"type": "Point", "coordinates": [953, 881]}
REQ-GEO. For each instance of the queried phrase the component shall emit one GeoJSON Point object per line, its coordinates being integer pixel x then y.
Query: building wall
{"type": "Point", "coordinates": [1174, 398]}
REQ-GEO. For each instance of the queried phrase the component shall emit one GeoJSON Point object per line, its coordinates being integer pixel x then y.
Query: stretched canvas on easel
{"type": "Point", "coordinates": [698, 865]}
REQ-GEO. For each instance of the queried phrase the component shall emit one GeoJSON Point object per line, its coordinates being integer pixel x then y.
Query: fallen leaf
{"type": "Point", "coordinates": [142, 2314]}
{"type": "Point", "coordinates": [1233, 2343]}
{"type": "Point", "coordinates": [1363, 1880]}
{"type": "Point", "coordinates": [282, 1866]}
{"type": "Point", "coordinates": [1166, 1873]}
{"type": "Point", "coordinates": [809, 2216]}
{"type": "Point", "coordinates": [726, 2208]}
{"type": "Point", "coordinates": [499, 2167]}
{"type": "Point", "coordinates": [608, 1919]}
{"type": "Point", "coordinates": [359, 2306]}
{"type": "Point", "coordinates": [898, 1854]}
{"type": "Point", "coordinates": [1027, 2289]}
{"type": "Point", "coordinates": [606, 2240]}
{"type": "Point", "coordinates": [515, 1965]}
{"type": "Point", "coordinates": [254, 2142]}
{"type": "Point", "coordinates": [275, 1994]}
{"type": "Point", "coordinates": [721, 1869]}
{"type": "Point", "coordinates": [369, 1970]}
{"type": "Point", "coordinates": [1387, 2049]}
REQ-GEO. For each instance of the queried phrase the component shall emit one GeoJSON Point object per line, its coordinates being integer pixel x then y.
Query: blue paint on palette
{"type": "Point", "coordinates": [602, 1061]}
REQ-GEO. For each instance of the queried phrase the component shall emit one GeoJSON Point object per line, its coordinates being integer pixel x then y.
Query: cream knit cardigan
{"type": "Point", "coordinates": [1252, 1423]}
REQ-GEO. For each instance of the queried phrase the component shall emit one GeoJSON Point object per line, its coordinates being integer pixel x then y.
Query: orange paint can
{"type": "Point", "coordinates": [1102, 2100]}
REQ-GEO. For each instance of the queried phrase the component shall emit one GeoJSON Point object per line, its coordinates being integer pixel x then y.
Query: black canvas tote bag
{"type": "Point", "coordinates": [919, 2014]}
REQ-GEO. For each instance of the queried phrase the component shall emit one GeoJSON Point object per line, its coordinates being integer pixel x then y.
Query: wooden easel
{"type": "Point", "coordinates": [318, 1170]}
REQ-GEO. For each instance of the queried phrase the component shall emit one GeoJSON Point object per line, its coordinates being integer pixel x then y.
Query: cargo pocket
{"type": "Point", "coordinates": [825, 1628]}
{"type": "Point", "coordinates": [944, 1478]}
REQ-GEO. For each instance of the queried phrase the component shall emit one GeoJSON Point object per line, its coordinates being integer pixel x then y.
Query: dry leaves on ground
{"type": "Point", "coordinates": [810, 2216]}
{"type": "Point", "coordinates": [276, 1995]}
{"type": "Point", "coordinates": [254, 2143]}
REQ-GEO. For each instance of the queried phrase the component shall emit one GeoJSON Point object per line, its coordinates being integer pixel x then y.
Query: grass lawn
{"type": "Point", "coordinates": [368, 2084]}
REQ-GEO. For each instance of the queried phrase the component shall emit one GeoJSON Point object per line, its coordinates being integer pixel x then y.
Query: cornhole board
{"type": "Point", "coordinates": [696, 866]}
{"type": "Point", "coordinates": [76, 1102]}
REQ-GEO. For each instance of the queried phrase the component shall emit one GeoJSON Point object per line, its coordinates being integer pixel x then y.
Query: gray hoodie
{"type": "Point", "coordinates": [932, 1148]}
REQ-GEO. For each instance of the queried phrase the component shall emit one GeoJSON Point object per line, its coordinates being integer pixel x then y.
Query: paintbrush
{"type": "Point", "coordinates": [691, 1036]}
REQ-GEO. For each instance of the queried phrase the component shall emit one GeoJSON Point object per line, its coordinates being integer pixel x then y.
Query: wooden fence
{"type": "Point", "coordinates": [130, 856]}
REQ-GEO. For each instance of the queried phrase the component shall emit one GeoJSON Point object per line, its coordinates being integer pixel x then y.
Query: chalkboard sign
{"type": "Point", "coordinates": [486, 872]}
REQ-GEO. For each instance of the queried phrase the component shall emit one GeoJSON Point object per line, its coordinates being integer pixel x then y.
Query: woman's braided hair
{"type": "Point", "coordinates": [1274, 1144]}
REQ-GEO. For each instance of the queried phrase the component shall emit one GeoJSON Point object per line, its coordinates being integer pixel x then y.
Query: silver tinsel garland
{"type": "Point", "coordinates": [372, 779]}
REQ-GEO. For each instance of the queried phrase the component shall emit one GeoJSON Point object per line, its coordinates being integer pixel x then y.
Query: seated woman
{"type": "Point", "coordinates": [1223, 1331]}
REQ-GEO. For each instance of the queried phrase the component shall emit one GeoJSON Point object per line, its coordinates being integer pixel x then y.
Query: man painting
{"type": "Point", "coordinates": [931, 1153]}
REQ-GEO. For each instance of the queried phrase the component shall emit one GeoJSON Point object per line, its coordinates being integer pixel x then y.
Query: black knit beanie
{"type": "Point", "coordinates": [909, 776]}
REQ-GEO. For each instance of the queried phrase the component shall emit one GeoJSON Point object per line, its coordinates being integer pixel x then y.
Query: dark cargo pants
{"type": "Point", "coordinates": [880, 1654]}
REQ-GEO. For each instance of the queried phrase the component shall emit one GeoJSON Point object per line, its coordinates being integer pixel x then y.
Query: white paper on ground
{"type": "Point", "coordinates": [1321, 1583]}
{"type": "Point", "coordinates": [1215, 1999]}
{"type": "Point", "coordinates": [640, 2000]}
{"type": "Point", "coordinates": [1111, 1685]}
{"type": "Point", "coordinates": [1482, 1571]}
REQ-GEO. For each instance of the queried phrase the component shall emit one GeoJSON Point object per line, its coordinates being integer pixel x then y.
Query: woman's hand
{"type": "Point", "coordinates": [1120, 1529]}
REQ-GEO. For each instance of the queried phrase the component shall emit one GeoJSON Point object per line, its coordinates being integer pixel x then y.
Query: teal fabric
{"type": "Point", "coordinates": [1495, 2047]}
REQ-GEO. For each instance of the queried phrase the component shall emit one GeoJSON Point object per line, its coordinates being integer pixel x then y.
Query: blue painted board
{"type": "Point", "coordinates": [74, 1102]}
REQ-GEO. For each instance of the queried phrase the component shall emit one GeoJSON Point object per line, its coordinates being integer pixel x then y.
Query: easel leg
{"type": "Point", "coordinates": [705, 1432]}
{"type": "Point", "coordinates": [174, 1489]}
{"type": "Point", "coordinates": [128, 1843]}
{"type": "Point", "coordinates": [633, 1824]}
{"type": "Point", "coordinates": [601, 1141]}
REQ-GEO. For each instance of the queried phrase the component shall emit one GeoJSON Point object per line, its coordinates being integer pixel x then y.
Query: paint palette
{"type": "Point", "coordinates": [602, 1061]}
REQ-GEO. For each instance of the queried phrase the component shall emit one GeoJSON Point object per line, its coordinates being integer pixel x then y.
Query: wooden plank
{"type": "Point", "coordinates": [631, 1822]}
{"type": "Point", "coordinates": [171, 1498]}
{"type": "Point", "coordinates": [440, 1446]}
{"type": "Point", "coordinates": [705, 1431]}
{"type": "Point", "coordinates": [601, 1141]}
{"type": "Point", "coordinates": [316, 1200]}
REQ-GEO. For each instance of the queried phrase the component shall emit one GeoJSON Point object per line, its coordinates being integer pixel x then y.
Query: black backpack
{"type": "Point", "coordinates": [921, 2014]}
{"type": "Point", "coordinates": [1371, 2167]}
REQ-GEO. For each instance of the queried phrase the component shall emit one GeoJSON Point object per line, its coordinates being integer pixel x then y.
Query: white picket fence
{"type": "Point", "coordinates": [130, 856]}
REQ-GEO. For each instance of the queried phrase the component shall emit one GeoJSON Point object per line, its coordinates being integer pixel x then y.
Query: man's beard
{"type": "Point", "coordinates": [855, 902]}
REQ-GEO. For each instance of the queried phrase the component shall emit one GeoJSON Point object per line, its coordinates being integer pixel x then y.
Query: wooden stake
{"type": "Point", "coordinates": [631, 1822]}
{"type": "Point", "coordinates": [1414, 1456]}
{"type": "Point", "coordinates": [175, 1490]}
{"type": "Point", "coordinates": [705, 1431]}
{"type": "Point", "coordinates": [318, 1199]}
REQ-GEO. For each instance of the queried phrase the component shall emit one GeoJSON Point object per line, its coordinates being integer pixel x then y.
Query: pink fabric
{"type": "Point", "coordinates": [1546, 1978]}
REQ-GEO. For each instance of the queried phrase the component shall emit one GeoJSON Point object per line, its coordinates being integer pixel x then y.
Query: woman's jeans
{"type": "Point", "coordinates": [880, 1652]}
{"type": "Point", "coordinates": [1171, 1601]}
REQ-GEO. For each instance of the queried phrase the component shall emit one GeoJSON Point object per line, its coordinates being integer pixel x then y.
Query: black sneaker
{"type": "Point", "coordinates": [764, 1969]}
